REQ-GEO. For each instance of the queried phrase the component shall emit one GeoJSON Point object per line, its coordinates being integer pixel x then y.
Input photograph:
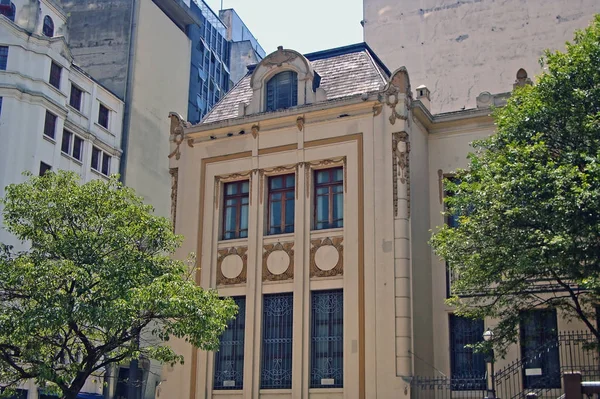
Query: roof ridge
{"type": "Point", "coordinates": [385, 79]}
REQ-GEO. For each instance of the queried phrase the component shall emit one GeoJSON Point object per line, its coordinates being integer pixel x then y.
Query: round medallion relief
{"type": "Point", "coordinates": [278, 262]}
{"type": "Point", "coordinates": [232, 266]}
{"type": "Point", "coordinates": [327, 257]}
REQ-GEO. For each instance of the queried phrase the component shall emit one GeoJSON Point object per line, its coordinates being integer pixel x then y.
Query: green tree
{"type": "Point", "coordinates": [98, 279]}
{"type": "Point", "coordinates": [529, 202]}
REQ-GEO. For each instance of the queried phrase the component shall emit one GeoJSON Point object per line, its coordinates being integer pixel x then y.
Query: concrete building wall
{"type": "Point", "coordinates": [461, 48]}
{"type": "Point", "coordinates": [160, 85]}
{"type": "Point", "coordinates": [99, 39]}
{"type": "Point", "coordinates": [242, 55]}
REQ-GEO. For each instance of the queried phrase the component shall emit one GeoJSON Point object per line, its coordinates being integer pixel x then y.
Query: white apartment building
{"type": "Point", "coordinates": [52, 114]}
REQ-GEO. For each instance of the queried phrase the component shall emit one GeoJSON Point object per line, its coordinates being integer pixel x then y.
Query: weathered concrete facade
{"type": "Point", "coordinates": [100, 39]}
{"type": "Point", "coordinates": [116, 41]}
{"type": "Point", "coordinates": [460, 48]}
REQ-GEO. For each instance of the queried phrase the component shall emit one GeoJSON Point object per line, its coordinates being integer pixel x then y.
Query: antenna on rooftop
{"type": "Point", "coordinates": [221, 5]}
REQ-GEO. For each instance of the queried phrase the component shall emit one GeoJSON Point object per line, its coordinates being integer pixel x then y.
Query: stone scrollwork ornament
{"type": "Point", "coordinates": [174, 172]}
{"type": "Point", "coordinates": [178, 124]}
{"type": "Point", "coordinates": [400, 166]}
{"type": "Point", "coordinates": [390, 95]}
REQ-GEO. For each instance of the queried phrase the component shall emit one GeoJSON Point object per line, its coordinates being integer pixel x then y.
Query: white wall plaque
{"type": "Point", "coordinates": [533, 371]}
{"type": "Point", "coordinates": [327, 381]}
{"type": "Point", "coordinates": [229, 383]}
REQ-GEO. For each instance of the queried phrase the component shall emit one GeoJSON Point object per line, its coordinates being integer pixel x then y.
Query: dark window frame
{"type": "Point", "coordinates": [238, 232]}
{"type": "Point", "coordinates": [233, 337]}
{"type": "Point", "coordinates": [44, 167]}
{"type": "Point", "coordinates": [277, 87]}
{"type": "Point", "coordinates": [331, 223]}
{"type": "Point", "coordinates": [10, 14]}
{"type": "Point", "coordinates": [103, 116]}
{"type": "Point", "coordinates": [332, 344]}
{"type": "Point", "coordinates": [536, 350]}
{"type": "Point", "coordinates": [3, 58]}
{"type": "Point", "coordinates": [283, 226]}
{"type": "Point", "coordinates": [74, 141]}
{"type": "Point", "coordinates": [76, 97]}
{"type": "Point", "coordinates": [50, 125]}
{"type": "Point", "coordinates": [48, 28]}
{"type": "Point", "coordinates": [473, 379]}
{"type": "Point", "coordinates": [55, 75]}
{"type": "Point", "coordinates": [102, 163]}
{"type": "Point", "coordinates": [277, 341]}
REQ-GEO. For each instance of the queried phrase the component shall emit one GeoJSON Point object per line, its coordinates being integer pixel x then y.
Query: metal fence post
{"type": "Point", "coordinates": [572, 385]}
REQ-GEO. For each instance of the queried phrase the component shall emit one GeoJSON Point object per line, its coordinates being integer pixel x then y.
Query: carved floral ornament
{"type": "Point", "coordinates": [278, 261]}
{"type": "Point", "coordinates": [178, 124]}
{"type": "Point", "coordinates": [232, 265]}
{"type": "Point", "coordinates": [400, 166]}
{"type": "Point", "coordinates": [326, 257]}
{"type": "Point", "coordinates": [174, 172]}
{"type": "Point", "coordinates": [390, 95]}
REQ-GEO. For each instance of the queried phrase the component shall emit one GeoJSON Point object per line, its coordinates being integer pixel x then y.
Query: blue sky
{"type": "Point", "coordinates": [305, 26]}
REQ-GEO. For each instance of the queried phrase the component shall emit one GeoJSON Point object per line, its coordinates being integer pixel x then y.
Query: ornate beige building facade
{"type": "Point", "coordinates": [308, 194]}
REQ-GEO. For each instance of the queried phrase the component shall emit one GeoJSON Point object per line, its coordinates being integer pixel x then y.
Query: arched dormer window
{"type": "Point", "coordinates": [48, 28]}
{"type": "Point", "coordinates": [282, 91]}
{"type": "Point", "coordinates": [8, 9]}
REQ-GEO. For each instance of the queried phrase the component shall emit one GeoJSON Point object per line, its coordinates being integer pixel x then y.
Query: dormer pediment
{"type": "Point", "coordinates": [283, 79]}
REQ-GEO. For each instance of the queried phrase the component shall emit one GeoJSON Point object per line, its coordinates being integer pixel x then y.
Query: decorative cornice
{"type": "Point", "coordinates": [222, 254]}
{"type": "Point", "coordinates": [268, 249]}
{"type": "Point", "coordinates": [338, 269]}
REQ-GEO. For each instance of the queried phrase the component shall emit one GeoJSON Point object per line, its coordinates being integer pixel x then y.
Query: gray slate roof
{"type": "Point", "coordinates": [344, 71]}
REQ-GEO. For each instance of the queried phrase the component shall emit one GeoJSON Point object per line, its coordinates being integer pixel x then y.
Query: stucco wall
{"type": "Point", "coordinates": [459, 48]}
{"type": "Point", "coordinates": [160, 85]}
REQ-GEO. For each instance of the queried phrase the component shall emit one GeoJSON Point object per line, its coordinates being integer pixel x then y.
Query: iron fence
{"type": "Point", "coordinates": [577, 351]}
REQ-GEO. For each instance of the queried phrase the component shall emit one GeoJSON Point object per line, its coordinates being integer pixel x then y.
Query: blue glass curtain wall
{"type": "Point", "coordinates": [276, 362]}
{"type": "Point", "coordinates": [229, 360]}
{"type": "Point", "coordinates": [327, 339]}
{"type": "Point", "coordinates": [209, 74]}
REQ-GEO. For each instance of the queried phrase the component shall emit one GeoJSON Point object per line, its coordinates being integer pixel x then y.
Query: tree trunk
{"type": "Point", "coordinates": [76, 386]}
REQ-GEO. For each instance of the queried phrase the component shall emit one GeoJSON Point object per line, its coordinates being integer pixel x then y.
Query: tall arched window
{"type": "Point", "coordinates": [48, 29]}
{"type": "Point", "coordinates": [8, 9]}
{"type": "Point", "coordinates": [282, 91]}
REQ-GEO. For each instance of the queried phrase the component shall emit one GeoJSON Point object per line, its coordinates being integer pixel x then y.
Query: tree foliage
{"type": "Point", "coordinates": [529, 203]}
{"type": "Point", "coordinates": [97, 281]}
